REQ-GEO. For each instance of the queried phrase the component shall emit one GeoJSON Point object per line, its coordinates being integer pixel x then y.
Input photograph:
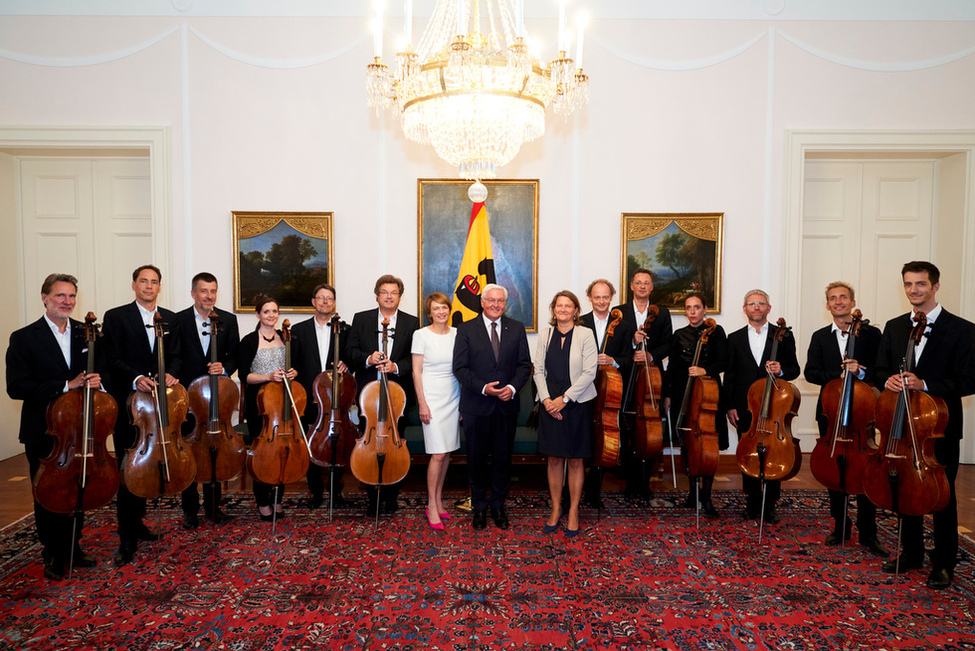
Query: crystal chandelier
{"type": "Point", "coordinates": [471, 88]}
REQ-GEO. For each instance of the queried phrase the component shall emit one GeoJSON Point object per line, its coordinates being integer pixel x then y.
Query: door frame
{"type": "Point", "coordinates": [89, 141]}
{"type": "Point", "coordinates": [799, 143]}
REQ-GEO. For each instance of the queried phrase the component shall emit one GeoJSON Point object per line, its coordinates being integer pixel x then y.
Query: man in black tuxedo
{"type": "Point", "coordinates": [651, 346]}
{"type": "Point", "coordinates": [944, 366]}
{"type": "Point", "coordinates": [825, 362]}
{"type": "Point", "coordinates": [195, 339]}
{"type": "Point", "coordinates": [364, 353]}
{"type": "Point", "coordinates": [617, 351]}
{"type": "Point", "coordinates": [749, 350]}
{"type": "Point", "coordinates": [44, 360]}
{"type": "Point", "coordinates": [130, 342]}
{"type": "Point", "coordinates": [491, 363]}
{"type": "Point", "coordinates": [311, 343]}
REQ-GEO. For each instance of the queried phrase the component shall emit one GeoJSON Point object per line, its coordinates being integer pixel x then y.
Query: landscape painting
{"type": "Point", "coordinates": [282, 255]}
{"type": "Point", "coordinates": [681, 251]}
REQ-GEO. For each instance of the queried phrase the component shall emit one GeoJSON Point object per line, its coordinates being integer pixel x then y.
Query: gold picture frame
{"type": "Point", "coordinates": [443, 208]}
{"type": "Point", "coordinates": [682, 252]}
{"type": "Point", "coordinates": [284, 255]}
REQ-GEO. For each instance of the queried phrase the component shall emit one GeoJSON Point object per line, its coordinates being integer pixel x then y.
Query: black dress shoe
{"type": "Point", "coordinates": [834, 539]}
{"type": "Point", "coordinates": [218, 517]}
{"type": "Point", "coordinates": [772, 516]}
{"type": "Point", "coordinates": [710, 511]}
{"type": "Point", "coordinates": [389, 506]}
{"type": "Point", "coordinates": [906, 563]}
{"type": "Point", "coordinates": [190, 521]}
{"type": "Point", "coordinates": [81, 559]}
{"type": "Point", "coordinates": [126, 552]}
{"type": "Point", "coordinates": [142, 533]}
{"type": "Point", "coordinates": [54, 569]}
{"type": "Point", "coordinates": [937, 580]}
{"type": "Point", "coordinates": [480, 519]}
{"type": "Point", "coordinates": [875, 547]}
{"type": "Point", "coordinates": [749, 514]}
{"type": "Point", "coordinates": [317, 499]}
{"type": "Point", "coordinates": [339, 502]}
{"type": "Point", "coordinates": [690, 502]}
{"type": "Point", "coordinates": [500, 517]}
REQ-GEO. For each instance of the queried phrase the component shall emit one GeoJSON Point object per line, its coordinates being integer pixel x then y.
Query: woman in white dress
{"type": "Point", "coordinates": [438, 395]}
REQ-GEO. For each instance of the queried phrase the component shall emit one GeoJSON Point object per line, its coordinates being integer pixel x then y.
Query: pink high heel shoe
{"type": "Point", "coordinates": [433, 525]}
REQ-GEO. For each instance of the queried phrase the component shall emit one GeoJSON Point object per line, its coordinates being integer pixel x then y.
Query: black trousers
{"type": "Point", "coordinates": [752, 486]}
{"type": "Point", "coordinates": [944, 556]}
{"type": "Point", "coordinates": [130, 508]}
{"type": "Point", "coordinates": [866, 514]}
{"type": "Point", "coordinates": [190, 499]}
{"type": "Point", "coordinates": [490, 442]}
{"type": "Point", "coordinates": [53, 529]}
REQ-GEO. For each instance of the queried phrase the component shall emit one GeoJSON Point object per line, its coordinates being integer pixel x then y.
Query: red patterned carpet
{"type": "Point", "coordinates": [641, 578]}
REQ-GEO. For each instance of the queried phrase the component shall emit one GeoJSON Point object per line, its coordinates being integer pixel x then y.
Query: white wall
{"type": "Point", "coordinates": [683, 117]}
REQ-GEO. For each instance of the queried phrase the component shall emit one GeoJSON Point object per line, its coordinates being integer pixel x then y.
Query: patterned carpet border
{"type": "Point", "coordinates": [642, 576]}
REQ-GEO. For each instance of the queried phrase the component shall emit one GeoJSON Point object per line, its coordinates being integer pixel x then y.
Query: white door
{"type": "Point", "coordinates": [861, 221]}
{"type": "Point", "coordinates": [90, 218]}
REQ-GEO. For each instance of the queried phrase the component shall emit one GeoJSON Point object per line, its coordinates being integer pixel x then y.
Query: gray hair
{"type": "Point", "coordinates": [492, 286]}
{"type": "Point", "coordinates": [752, 292]}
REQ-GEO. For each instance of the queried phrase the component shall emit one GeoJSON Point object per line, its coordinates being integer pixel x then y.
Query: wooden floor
{"type": "Point", "coordinates": [16, 502]}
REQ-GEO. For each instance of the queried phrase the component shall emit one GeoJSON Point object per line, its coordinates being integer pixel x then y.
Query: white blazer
{"type": "Point", "coordinates": [582, 364]}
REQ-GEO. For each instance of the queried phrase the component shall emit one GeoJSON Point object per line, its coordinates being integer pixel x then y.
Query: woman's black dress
{"type": "Point", "coordinates": [571, 437]}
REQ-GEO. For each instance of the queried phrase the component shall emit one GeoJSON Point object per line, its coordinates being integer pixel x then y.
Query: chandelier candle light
{"type": "Point", "coordinates": [476, 96]}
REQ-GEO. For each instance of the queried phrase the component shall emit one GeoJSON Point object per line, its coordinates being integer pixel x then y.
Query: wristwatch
{"type": "Point", "coordinates": [565, 399]}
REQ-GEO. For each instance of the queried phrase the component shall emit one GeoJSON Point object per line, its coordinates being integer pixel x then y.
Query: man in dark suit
{"type": "Point", "coordinates": [44, 360]}
{"type": "Point", "coordinates": [195, 340]}
{"type": "Point", "coordinates": [130, 342]}
{"type": "Point", "coordinates": [749, 350]}
{"type": "Point", "coordinates": [825, 362]}
{"type": "Point", "coordinates": [944, 366]}
{"type": "Point", "coordinates": [311, 342]}
{"type": "Point", "coordinates": [616, 351]}
{"type": "Point", "coordinates": [491, 363]}
{"type": "Point", "coordinates": [652, 346]}
{"type": "Point", "coordinates": [365, 355]}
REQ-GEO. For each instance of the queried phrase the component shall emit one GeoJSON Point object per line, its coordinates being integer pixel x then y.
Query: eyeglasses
{"type": "Point", "coordinates": [756, 304]}
{"type": "Point", "coordinates": [385, 294]}
{"type": "Point", "coordinates": [494, 301]}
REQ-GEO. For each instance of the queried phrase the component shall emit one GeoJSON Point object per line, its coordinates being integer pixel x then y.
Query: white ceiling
{"type": "Point", "coordinates": [935, 10]}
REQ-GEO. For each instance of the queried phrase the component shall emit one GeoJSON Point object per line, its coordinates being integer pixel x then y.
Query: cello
{"type": "Point", "coordinates": [606, 414]}
{"type": "Point", "coordinates": [696, 418]}
{"type": "Point", "coordinates": [839, 458]}
{"type": "Point", "coordinates": [333, 436]}
{"type": "Point", "coordinates": [380, 456]}
{"type": "Point", "coordinates": [159, 463]}
{"type": "Point", "coordinates": [278, 456]}
{"type": "Point", "coordinates": [218, 448]}
{"type": "Point", "coordinates": [79, 474]}
{"type": "Point", "coordinates": [904, 476]}
{"type": "Point", "coordinates": [648, 442]}
{"type": "Point", "coordinates": [768, 451]}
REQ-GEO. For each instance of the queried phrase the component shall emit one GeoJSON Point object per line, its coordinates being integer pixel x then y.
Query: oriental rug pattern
{"type": "Point", "coordinates": [642, 577]}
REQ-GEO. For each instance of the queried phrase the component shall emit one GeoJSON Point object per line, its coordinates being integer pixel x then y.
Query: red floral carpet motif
{"type": "Point", "coordinates": [642, 577]}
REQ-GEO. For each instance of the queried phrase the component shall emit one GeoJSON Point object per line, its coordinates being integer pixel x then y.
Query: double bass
{"type": "Point", "coordinates": [696, 418]}
{"type": "Point", "coordinates": [159, 463]}
{"type": "Point", "coordinates": [79, 474]}
{"type": "Point", "coordinates": [903, 476]}
{"type": "Point", "coordinates": [768, 451]}
{"type": "Point", "coordinates": [218, 448]}
{"type": "Point", "coordinates": [648, 438]}
{"type": "Point", "coordinates": [380, 456]}
{"type": "Point", "coordinates": [280, 454]}
{"type": "Point", "coordinates": [609, 401]}
{"type": "Point", "coordinates": [333, 435]}
{"type": "Point", "coordinates": [838, 460]}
